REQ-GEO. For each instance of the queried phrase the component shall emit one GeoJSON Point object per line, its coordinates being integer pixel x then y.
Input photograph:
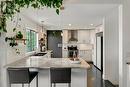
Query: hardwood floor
{"type": "Point", "coordinates": [95, 78]}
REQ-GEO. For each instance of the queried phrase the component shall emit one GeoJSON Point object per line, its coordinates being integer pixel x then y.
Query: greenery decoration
{"type": "Point", "coordinates": [13, 40]}
{"type": "Point", "coordinates": [19, 35]}
{"type": "Point", "coordinates": [3, 24]}
{"type": "Point", "coordinates": [55, 33]}
{"type": "Point", "coordinates": [9, 8]}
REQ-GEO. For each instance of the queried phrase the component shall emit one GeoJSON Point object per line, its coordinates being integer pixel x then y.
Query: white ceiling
{"type": "Point", "coordinates": [79, 15]}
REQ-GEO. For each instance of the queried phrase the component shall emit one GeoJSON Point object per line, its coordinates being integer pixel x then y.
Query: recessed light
{"type": "Point", "coordinates": [69, 24]}
{"type": "Point", "coordinates": [61, 34]}
{"type": "Point", "coordinates": [91, 24]}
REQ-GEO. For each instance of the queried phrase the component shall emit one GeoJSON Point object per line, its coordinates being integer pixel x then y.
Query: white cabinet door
{"type": "Point", "coordinates": [64, 53]}
{"type": "Point", "coordinates": [83, 36]}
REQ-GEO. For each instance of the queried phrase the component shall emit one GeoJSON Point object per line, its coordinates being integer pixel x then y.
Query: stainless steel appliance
{"type": "Point", "coordinates": [72, 51]}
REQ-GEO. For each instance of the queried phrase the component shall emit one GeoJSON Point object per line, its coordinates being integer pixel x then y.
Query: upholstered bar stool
{"type": "Point", "coordinates": [60, 75]}
{"type": "Point", "coordinates": [22, 76]}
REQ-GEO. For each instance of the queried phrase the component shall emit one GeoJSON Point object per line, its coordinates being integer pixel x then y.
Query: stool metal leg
{"type": "Point", "coordinates": [28, 85]}
{"type": "Point", "coordinates": [54, 84]}
{"type": "Point", "coordinates": [69, 84]}
{"type": "Point", "coordinates": [37, 80]}
{"type": "Point", "coordinates": [9, 84]}
{"type": "Point", "coordinates": [51, 84]}
{"type": "Point", "coordinates": [22, 85]}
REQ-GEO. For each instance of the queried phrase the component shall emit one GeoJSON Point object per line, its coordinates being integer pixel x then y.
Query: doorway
{"type": "Point", "coordinates": [99, 51]}
{"type": "Point", "coordinates": [54, 43]}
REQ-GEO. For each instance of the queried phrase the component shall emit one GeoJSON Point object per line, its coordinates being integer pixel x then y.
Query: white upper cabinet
{"type": "Point", "coordinates": [83, 36]}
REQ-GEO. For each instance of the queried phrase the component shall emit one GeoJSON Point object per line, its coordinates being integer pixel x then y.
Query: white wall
{"type": "Point", "coordinates": [126, 41]}
{"type": "Point", "coordinates": [3, 56]}
{"type": "Point", "coordinates": [24, 24]}
{"type": "Point", "coordinates": [111, 43]}
{"type": "Point", "coordinates": [128, 76]}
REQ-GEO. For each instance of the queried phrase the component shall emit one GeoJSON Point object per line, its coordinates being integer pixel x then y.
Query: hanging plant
{"type": "Point", "coordinates": [2, 24]}
{"type": "Point", "coordinates": [19, 35]}
{"type": "Point", "coordinates": [9, 8]}
{"type": "Point", "coordinates": [13, 40]}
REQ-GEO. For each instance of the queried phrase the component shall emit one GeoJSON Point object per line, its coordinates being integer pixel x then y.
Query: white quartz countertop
{"type": "Point", "coordinates": [40, 62]}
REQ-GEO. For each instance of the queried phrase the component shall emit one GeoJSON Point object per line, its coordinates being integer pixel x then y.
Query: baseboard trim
{"type": "Point", "coordinates": [89, 62]}
{"type": "Point", "coordinates": [107, 82]}
{"type": "Point", "coordinates": [116, 85]}
{"type": "Point", "coordinates": [97, 68]}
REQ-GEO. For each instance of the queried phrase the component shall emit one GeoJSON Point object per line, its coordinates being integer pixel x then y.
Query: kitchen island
{"type": "Point", "coordinates": [43, 65]}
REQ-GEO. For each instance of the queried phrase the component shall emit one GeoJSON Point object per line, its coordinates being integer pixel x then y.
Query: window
{"type": "Point", "coordinates": [32, 40]}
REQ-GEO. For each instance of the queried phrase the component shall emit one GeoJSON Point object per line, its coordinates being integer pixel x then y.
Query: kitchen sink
{"type": "Point", "coordinates": [39, 54]}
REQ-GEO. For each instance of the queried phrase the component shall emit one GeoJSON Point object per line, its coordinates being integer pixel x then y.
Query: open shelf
{"type": "Point", "coordinates": [24, 40]}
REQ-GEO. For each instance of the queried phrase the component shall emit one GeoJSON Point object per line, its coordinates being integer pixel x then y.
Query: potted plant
{"type": "Point", "coordinates": [41, 43]}
{"type": "Point", "coordinates": [19, 35]}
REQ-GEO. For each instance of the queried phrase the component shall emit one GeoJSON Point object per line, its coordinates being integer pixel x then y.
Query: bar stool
{"type": "Point", "coordinates": [60, 75]}
{"type": "Point", "coordinates": [22, 76]}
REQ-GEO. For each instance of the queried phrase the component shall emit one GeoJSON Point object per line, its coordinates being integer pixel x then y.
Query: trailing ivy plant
{"type": "Point", "coordinates": [13, 40]}
{"type": "Point", "coordinates": [3, 24]}
{"type": "Point", "coordinates": [9, 8]}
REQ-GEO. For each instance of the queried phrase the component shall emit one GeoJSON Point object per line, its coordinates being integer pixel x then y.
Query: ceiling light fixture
{"type": "Point", "coordinates": [61, 33]}
{"type": "Point", "coordinates": [70, 24]}
{"type": "Point", "coordinates": [91, 24]}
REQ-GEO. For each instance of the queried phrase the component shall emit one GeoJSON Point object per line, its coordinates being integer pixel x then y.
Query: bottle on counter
{"type": "Point", "coordinates": [74, 54]}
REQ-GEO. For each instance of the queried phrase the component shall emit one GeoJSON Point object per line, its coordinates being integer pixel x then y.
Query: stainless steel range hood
{"type": "Point", "coordinates": [73, 35]}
